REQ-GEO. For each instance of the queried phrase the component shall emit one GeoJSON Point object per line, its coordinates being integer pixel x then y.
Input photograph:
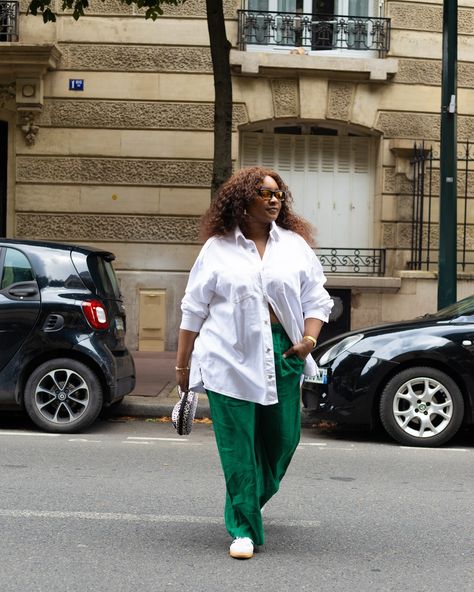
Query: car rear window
{"type": "Point", "coordinates": [103, 276]}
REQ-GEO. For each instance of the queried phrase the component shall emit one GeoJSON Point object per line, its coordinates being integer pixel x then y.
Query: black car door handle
{"type": "Point", "coordinates": [22, 292]}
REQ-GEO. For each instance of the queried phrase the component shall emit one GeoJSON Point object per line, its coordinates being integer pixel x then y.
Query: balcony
{"type": "Point", "coordinates": [313, 32]}
{"type": "Point", "coordinates": [277, 43]}
{"type": "Point", "coordinates": [9, 17]}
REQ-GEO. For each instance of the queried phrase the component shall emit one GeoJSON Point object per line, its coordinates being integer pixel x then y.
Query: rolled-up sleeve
{"type": "Point", "coordinates": [315, 300]}
{"type": "Point", "coordinates": [198, 295]}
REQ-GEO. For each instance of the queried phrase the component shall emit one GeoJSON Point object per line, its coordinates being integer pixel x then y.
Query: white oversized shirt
{"type": "Point", "coordinates": [226, 301]}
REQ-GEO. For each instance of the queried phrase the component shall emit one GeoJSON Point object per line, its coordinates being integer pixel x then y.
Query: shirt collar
{"type": "Point", "coordinates": [275, 233]}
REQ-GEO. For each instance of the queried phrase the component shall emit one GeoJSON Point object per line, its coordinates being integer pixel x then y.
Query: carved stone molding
{"type": "Point", "coordinates": [404, 235]}
{"type": "Point", "coordinates": [85, 113]}
{"type": "Point", "coordinates": [466, 74]}
{"type": "Point", "coordinates": [340, 100]}
{"type": "Point", "coordinates": [197, 8]}
{"type": "Point", "coordinates": [285, 97]}
{"type": "Point", "coordinates": [400, 184]}
{"type": "Point", "coordinates": [135, 58]}
{"type": "Point", "coordinates": [389, 231]}
{"type": "Point", "coordinates": [429, 72]}
{"type": "Point", "coordinates": [189, 8]}
{"type": "Point", "coordinates": [7, 93]}
{"type": "Point", "coordinates": [396, 183]}
{"type": "Point", "coordinates": [399, 235]}
{"type": "Point", "coordinates": [17, 59]}
{"type": "Point", "coordinates": [27, 64]}
{"type": "Point", "coordinates": [114, 171]}
{"type": "Point", "coordinates": [405, 124]}
{"type": "Point", "coordinates": [427, 17]}
{"type": "Point", "coordinates": [419, 72]}
{"type": "Point", "coordinates": [420, 126]}
{"type": "Point", "coordinates": [28, 125]}
{"type": "Point", "coordinates": [90, 227]}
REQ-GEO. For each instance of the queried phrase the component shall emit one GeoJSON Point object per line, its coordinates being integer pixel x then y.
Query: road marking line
{"type": "Point", "coordinates": [311, 444]}
{"type": "Point", "coordinates": [157, 439]}
{"type": "Point", "coordinates": [437, 449]}
{"type": "Point", "coordinates": [156, 518]}
{"type": "Point", "coordinates": [82, 440]}
{"type": "Point", "coordinates": [39, 434]}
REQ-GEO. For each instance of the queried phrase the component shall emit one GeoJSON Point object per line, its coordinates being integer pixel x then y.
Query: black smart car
{"type": "Point", "coordinates": [415, 377]}
{"type": "Point", "coordinates": [62, 329]}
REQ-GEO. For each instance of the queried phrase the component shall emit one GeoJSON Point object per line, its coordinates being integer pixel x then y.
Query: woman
{"type": "Point", "coordinates": [252, 312]}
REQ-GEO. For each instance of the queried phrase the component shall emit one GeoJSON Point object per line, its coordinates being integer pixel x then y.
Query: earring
{"type": "Point", "coordinates": [245, 211]}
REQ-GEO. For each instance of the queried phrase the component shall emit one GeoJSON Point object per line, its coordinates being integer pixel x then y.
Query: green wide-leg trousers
{"type": "Point", "coordinates": [256, 443]}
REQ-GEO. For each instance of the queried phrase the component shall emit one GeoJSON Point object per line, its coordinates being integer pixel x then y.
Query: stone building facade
{"type": "Point", "coordinates": [106, 139]}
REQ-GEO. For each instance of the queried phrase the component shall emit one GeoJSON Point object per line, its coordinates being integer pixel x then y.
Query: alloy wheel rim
{"type": "Point", "coordinates": [62, 396]}
{"type": "Point", "coordinates": [423, 407]}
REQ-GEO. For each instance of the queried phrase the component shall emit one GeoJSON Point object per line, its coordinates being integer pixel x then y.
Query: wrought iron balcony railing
{"type": "Point", "coordinates": [9, 16]}
{"type": "Point", "coordinates": [353, 261]}
{"type": "Point", "coordinates": [315, 32]}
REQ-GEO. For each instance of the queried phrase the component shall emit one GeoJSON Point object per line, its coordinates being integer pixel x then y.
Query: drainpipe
{"type": "Point", "coordinates": [447, 275]}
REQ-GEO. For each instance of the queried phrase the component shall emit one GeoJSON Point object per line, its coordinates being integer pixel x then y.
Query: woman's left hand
{"type": "Point", "coordinates": [300, 349]}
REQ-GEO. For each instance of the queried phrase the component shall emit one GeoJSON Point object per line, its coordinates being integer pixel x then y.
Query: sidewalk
{"type": "Point", "coordinates": [155, 391]}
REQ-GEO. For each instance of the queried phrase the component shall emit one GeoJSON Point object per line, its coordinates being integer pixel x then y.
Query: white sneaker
{"type": "Point", "coordinates": [241, 548]}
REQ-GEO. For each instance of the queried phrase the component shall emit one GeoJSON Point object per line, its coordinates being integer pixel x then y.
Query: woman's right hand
{"type": "Point", "coordinates": [182, 378]}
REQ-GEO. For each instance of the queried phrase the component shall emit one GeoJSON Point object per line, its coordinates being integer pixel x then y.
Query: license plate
{"type": "Point", "coordinates": [321, 378]}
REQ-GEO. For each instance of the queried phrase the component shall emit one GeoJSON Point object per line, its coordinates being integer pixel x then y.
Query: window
{"type": "Point", "coordinates": [16, 268]}
{"type": "Point", "coordinates": [315, 25]}
{"type": "Point", "coordinates": [9, 20]}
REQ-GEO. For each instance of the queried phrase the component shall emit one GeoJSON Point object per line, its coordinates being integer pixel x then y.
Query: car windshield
{"type": "Point", "coordinates": [463, 308]}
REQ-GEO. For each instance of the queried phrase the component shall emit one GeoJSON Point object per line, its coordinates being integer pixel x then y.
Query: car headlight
{"type": "Point", "coordinates": [340, 347]}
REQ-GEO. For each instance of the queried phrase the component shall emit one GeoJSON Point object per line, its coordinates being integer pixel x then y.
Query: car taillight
{"type": "Point", "coordinates": [94, 312]}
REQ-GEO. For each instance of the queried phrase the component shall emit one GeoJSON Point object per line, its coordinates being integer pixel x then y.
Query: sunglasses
{"type": "Point", "coordinates": [268, 194]}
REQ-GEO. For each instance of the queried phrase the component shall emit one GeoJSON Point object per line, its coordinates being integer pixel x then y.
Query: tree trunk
{"type": "Point", "coordinates": [220, 53]}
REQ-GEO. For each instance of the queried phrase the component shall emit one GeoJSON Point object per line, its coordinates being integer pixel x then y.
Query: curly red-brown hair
{"type": "Point", "coordinates": [227, 211]}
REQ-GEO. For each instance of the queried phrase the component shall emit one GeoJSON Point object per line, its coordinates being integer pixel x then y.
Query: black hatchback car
{"type": "Point", "coordinates": [62, 329]}
{"type": "Point", "coordinates": [416, 377]}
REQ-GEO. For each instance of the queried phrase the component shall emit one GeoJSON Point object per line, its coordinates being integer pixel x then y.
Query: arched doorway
{"type": "Point", "coordinates": [330, 174]}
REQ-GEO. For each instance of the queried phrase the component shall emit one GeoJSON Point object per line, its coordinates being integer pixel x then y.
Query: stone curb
{"type": "Point", "coordinates": [138, 406]}
{"type": "Point", "coordinates": [147, 407]}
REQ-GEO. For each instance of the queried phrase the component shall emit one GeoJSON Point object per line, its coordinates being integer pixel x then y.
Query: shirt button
{"type": "Point", "coordinates": [268, 350]}
{"type": "Point", "coordinates": [270, 376]}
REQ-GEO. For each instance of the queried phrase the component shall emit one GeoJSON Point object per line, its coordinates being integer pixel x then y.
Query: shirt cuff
{"type": "Point", "coordinates": [191, 322]}
{"type": "Point", "coordinates": [316, 313]}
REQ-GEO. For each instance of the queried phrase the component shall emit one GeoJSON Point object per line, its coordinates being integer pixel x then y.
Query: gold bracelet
{"type": "Point", "coordinates": [181, 369]}
{"type": "Point", "coordinates": [312, 339]}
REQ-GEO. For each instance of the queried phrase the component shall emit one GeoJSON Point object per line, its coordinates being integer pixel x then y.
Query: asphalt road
{"type": "Point", "coordinates": [129, 506]}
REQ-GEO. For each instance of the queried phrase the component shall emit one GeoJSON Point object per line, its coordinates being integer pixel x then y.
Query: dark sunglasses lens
{"type": "Point", "coordinates": [268, 194]}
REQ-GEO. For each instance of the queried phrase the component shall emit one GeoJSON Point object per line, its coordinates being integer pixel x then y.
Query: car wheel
{"type": "Point", "coordinates": [63, 395]}
{"type": "Point", "coordinates": [421, 406]}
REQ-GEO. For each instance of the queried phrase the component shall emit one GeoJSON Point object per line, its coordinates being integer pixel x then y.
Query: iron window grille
{"type": "Point", "coordinates": [353, 261]}
{"type": "Point", "coordinates": [315, 32]}
{"type": "Point", "coordinates": [425, 203]}
{"type": "Point", "coordinates": [9, 16]}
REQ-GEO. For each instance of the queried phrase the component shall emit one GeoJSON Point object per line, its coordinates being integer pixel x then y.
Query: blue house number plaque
{"type": "Point", "coordinates": [76, 84]}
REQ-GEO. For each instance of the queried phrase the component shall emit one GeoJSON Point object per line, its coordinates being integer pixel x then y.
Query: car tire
{"type": "Point", "coordinates": [421, 406]}
{"type": "Point", "coordinates": [63, 395]}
